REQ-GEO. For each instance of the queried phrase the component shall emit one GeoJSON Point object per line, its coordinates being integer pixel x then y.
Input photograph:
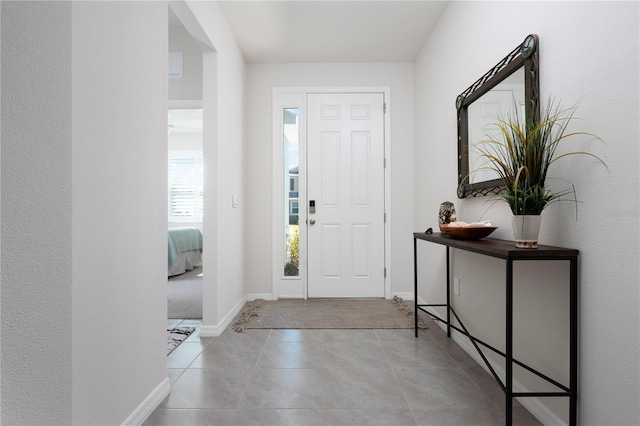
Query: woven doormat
{"type": "Point", "coordinates": [327, 314]}
{"type": "Point", "coordinates": [177, 335]}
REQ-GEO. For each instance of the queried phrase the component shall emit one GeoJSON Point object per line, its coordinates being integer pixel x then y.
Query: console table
{"type": "Point", "coordinates": [506, 250]}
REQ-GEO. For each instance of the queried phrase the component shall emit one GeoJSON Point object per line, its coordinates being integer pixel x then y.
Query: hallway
{"type": "Point", "coordinates": [329, 377]}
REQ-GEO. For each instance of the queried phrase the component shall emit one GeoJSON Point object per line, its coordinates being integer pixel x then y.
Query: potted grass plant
{"type": "Point", "coordinates": [521, 155]}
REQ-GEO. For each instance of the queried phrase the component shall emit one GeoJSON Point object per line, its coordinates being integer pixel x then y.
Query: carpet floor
{"type": "Point", "coordinates": [184, 295]}
{"type": "Point", "coordinates": [327, 314]}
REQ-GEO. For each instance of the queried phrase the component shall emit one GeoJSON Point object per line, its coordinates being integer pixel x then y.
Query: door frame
{"type": "Point", "coordinates": [211, 323]}
{"type": "Point", "coordinates": [290, 97]}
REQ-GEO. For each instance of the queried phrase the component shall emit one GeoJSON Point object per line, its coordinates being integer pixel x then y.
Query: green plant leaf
{"type": "Point", "coordinates": [524, 151]}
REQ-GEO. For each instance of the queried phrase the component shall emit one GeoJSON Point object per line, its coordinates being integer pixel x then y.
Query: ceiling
{"type": "Point", "coordinates": [331, 31]}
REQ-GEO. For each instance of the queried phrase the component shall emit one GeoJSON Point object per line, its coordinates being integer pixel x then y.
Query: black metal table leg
{"type": "Point", "coordinates": [509, 345]}
{"type": "Point", "coordinates": [415, 285]}
{"type": "Point", "coordinates": [448, 296]}
{"type": "Point", "coordinates": [573, 341]}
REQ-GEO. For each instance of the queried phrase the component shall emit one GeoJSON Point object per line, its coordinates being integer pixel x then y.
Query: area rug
{"type": "Point", "coordinates": [177, 335]}
{"type": "Point", "coordinates": [327, 314]}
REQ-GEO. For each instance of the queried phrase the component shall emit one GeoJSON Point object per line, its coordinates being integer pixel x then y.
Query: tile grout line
{"type": "Point", "coordinates": [253, 371]}
{"type": "Point", "coordinates": [467, 375]}
{"type": "Point", "coordinates": [393, 370]}
{"type": "Point", "coordinates": [199, 353]}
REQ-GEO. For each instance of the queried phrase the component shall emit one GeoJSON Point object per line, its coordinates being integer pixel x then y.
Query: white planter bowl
{"type": "Point", "coordinates": [525, 230]}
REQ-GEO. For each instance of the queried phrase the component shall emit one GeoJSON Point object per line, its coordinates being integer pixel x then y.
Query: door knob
{"type": "Point", "coordinates": [312, 221]}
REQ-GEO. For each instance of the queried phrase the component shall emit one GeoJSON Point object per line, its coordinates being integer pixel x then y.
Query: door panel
{"type": "Point", "coordinates": [345, 172]}
{"type": "Point", "coordinates": [330, 169]}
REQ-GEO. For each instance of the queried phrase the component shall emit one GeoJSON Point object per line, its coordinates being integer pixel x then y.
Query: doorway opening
{"type": "Point", "coordinates": [185, 212]}
{"type": "Point", "coordinates": [185, 172]}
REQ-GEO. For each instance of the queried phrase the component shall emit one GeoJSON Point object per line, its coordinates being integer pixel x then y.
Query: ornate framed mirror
{"type": "Point", "coordinates": [513, 81]}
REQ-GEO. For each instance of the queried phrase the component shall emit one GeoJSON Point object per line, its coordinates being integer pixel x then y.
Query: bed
{"type": "Point", "coordinates": [185, 250]}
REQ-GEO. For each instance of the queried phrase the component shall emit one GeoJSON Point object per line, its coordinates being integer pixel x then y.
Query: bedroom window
{"type": "Point", "coordinates": [185, 186]}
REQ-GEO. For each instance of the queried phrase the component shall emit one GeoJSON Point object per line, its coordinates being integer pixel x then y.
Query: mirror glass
{"type": "Point", "coordinates": [512, 82]}
{"type": "Point", "coordinates": [485, 111]}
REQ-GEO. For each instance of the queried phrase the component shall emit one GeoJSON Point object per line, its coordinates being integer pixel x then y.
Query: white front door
{"type": "Point", "coordinates": [345, 180]}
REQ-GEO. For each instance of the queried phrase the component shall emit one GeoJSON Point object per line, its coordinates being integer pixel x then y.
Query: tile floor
{"type": "Point", "coordinates": [328, 377]}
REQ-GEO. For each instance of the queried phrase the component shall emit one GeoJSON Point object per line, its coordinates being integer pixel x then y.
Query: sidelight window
{"type": "Point", "coordinates": [290, 185]}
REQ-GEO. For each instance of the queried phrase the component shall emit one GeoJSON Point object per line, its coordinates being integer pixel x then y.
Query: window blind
{"type": "Point", "coordinates": [186, 187]}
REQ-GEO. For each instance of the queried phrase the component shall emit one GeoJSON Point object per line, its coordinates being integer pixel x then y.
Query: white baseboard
{"type": "Point", "coordinates": [264, 296]}
{"type": "Point", "coordinates": [403, 295]}
{"type": "Point", "coordinates": [216, 330]}
{"type": "Point", "coordinates": [149, 404]}
{"type": "Point", "coordinates": [535, 406]}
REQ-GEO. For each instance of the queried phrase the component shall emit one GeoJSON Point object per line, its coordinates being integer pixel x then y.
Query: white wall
{"type": "Point", "coordinates": [261, 78]}
{"type": "Point", "coordinates": [0, 217]}
{"type": "Point", "coordinates": [84, 101]}
{"type": "Point", "coordinates": [185, 142]}
{"type": "Point", "coordinates": [223, 88]}
{"type": "Point", "coordinates": [84, 154]}
{"type": "Point", "coordinates": [190, 85]}
{"type": "Point", "coordinates": [35, 205]}
{"type": "Point", "coordinates": [84, 181]}
{"type": "Point", "coordinates": [586, 48]}
{"type": "Point", "coordinates": [119, 199]}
